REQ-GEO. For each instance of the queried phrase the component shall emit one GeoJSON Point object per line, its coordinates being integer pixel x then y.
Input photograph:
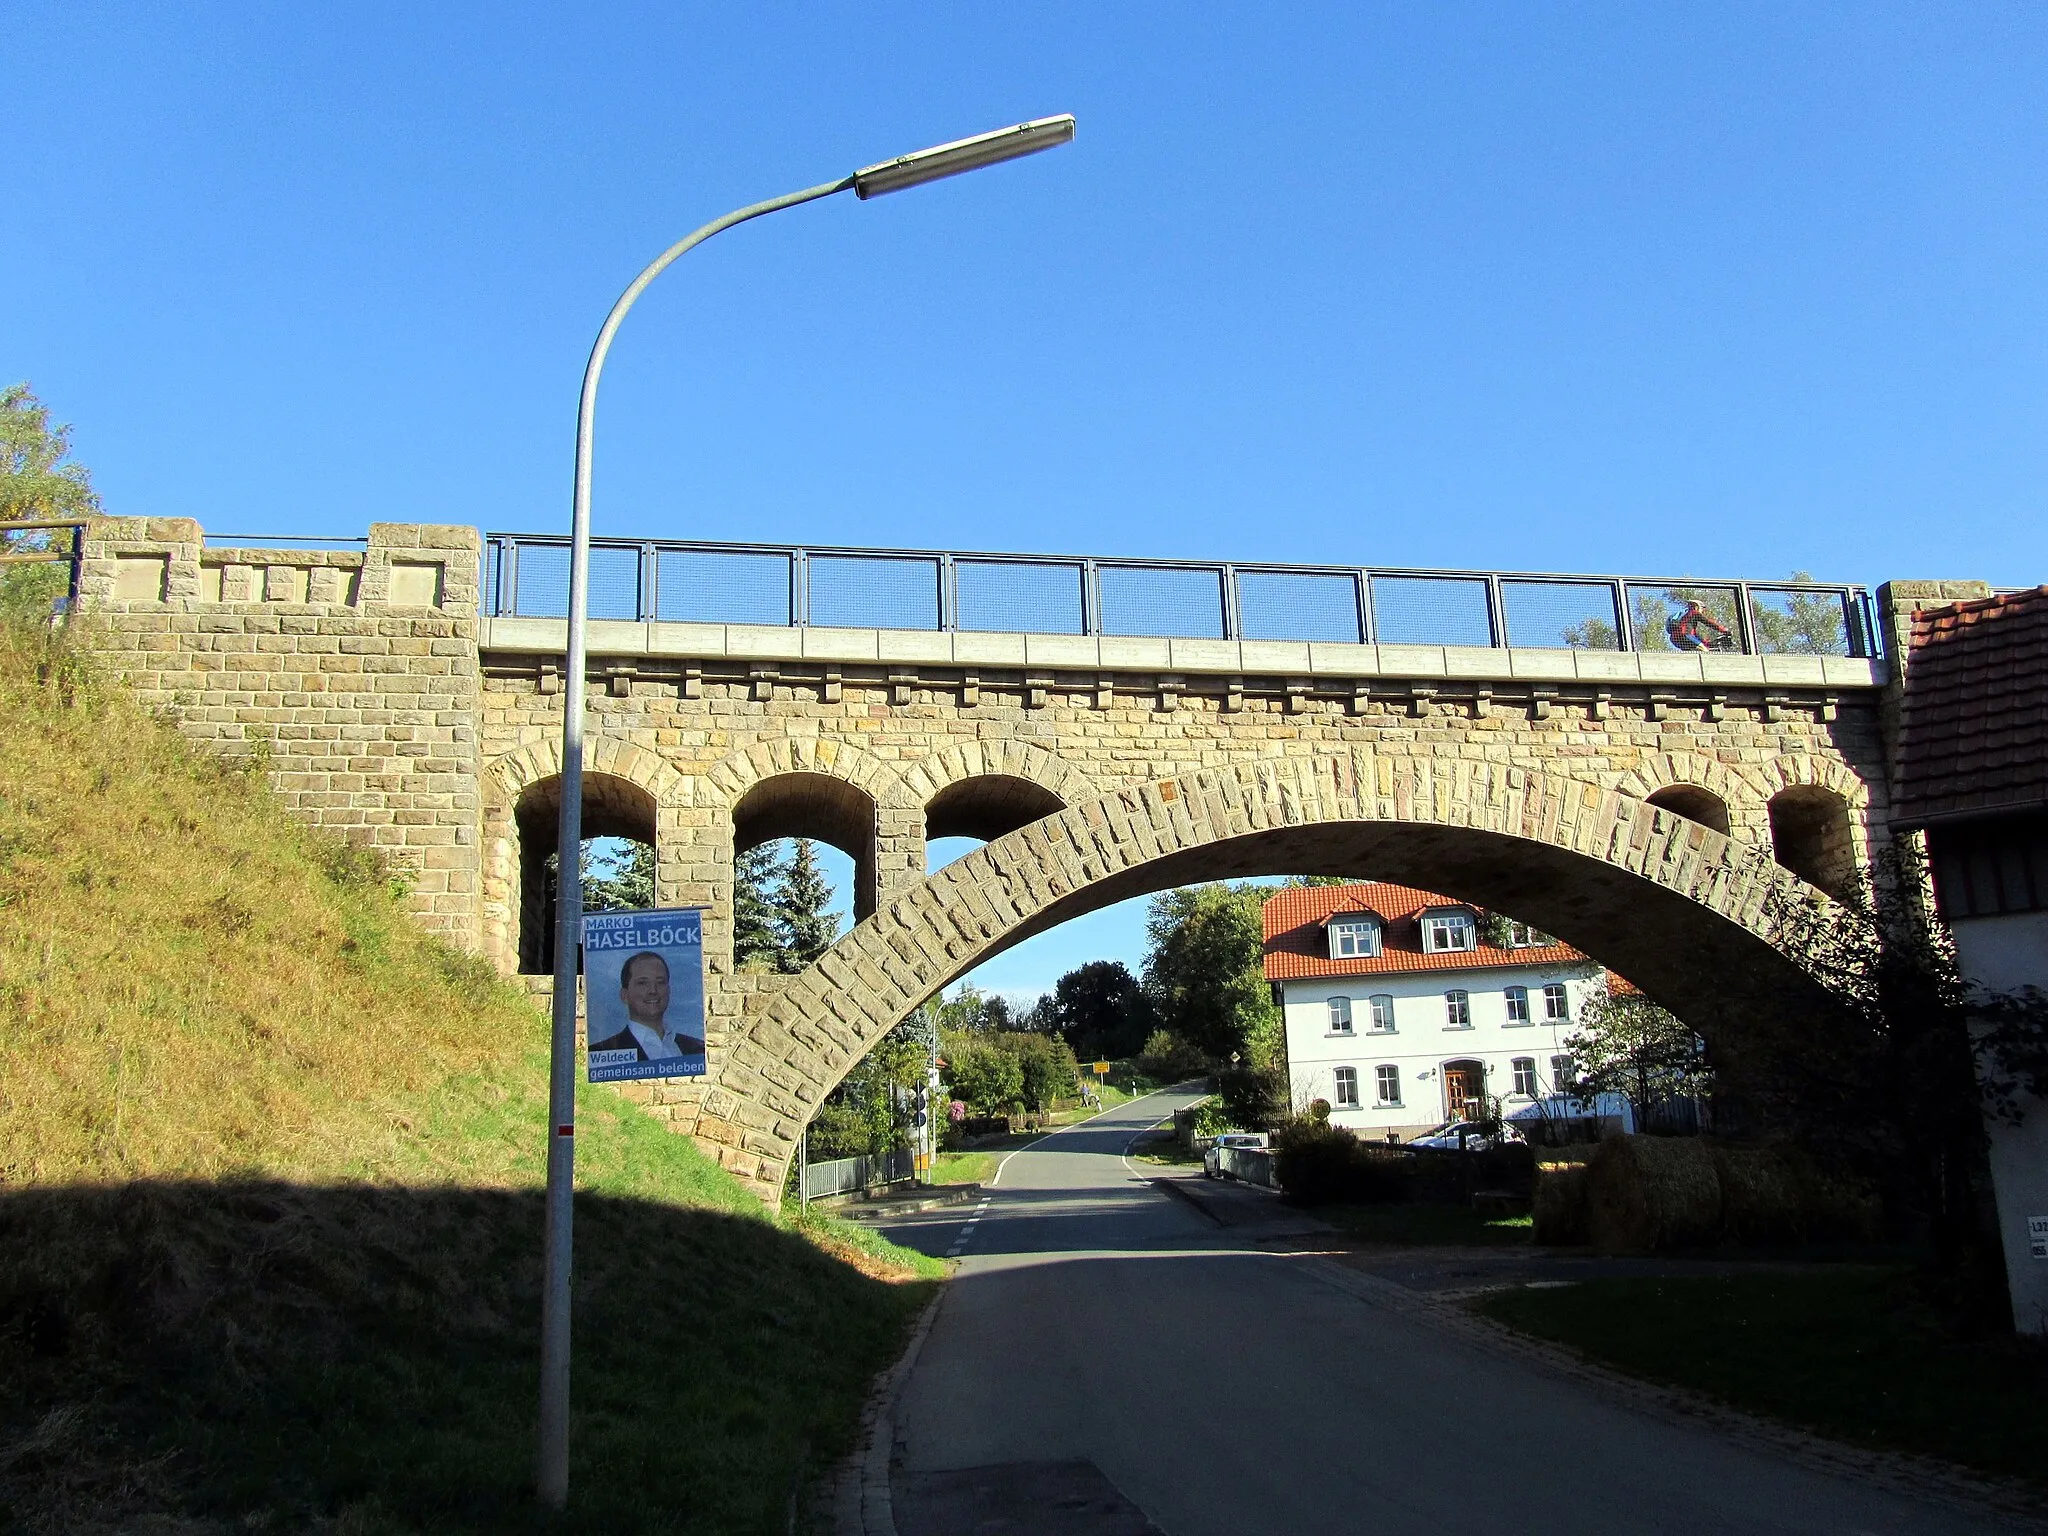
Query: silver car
{"type": "Point", "coordinates": [1212, 1165]}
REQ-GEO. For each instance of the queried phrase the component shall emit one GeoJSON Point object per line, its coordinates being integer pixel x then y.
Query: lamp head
{"type": "Point", "coordinates": [914, 170]}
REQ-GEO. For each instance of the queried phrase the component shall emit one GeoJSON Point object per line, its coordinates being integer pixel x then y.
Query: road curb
{"type": "Point", "coordinates": [1178, 1189]}
{"type": "Point", "coordinates": [861, 1501]}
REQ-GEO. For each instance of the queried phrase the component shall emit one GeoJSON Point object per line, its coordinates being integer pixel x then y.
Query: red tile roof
{"type": "Point", "coordinates": [1297, 944]}
{"type": "Point", "coordinates": [1973, 732]}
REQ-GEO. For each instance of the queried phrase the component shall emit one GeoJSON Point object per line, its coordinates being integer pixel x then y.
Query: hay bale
{"type": "Point", "coordinates": [1778, 1194]}
{"type": "Point", "coordinates": [1653, 1192]}
{"type": "Point", "coordinates": [1560, 1204]}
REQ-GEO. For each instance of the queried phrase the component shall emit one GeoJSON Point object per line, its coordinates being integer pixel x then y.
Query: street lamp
{"type": "Point", "coordinates": [552, 1463]}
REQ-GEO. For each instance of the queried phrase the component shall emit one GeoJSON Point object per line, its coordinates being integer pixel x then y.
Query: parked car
{"type": "Point", "coordinates": [1465, 1136]}
{"type": "Point", "coordinates": [1212, 1167]}
{"type": "Point", "coordinates": [1558, 1117]}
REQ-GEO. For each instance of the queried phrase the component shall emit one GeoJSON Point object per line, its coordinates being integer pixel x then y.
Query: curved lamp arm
{"type": "Point", "coordinates": [551, 1470]}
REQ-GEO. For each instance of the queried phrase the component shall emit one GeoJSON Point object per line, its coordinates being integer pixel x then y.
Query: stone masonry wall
{"type": "Point", "coordinates": [357, 669]}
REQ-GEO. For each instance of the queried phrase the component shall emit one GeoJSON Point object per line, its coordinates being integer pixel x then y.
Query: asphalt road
{"type": "Point", "coordinates": [1108, 1362]}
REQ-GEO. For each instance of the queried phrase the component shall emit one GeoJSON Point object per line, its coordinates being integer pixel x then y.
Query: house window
{"type": "Point", "coordinates": [1522, 936]}
{"type": "Point", "coordinates": [1447, 930]}
{"type": "Point", "coordinates": [1389, 1084]}
{"type": "Point", "coordinates": [1518, 1005]}
{"type": "Point", "coordinates": [1354, 938]}
{"type": "Point", "coordinates": [1457, 1009]}
{"type": "Point", "coordinates": [1555, 1004]}
{"type": "Point", "coordinates": [1347, 1088]}
{"type": "Point", "coordinates": [1382, 1006]}
{"type": "Point", "coordinates": [1340, 1015]}
{"type": "Point", "coordinates": [1525, 1076]}
{"type": "Point", "coordinates": [1561, 1073]}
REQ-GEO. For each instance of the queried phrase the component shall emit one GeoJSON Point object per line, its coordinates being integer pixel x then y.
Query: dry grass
{"type": "Point", "coordinates": [194, 984]}
{"type": "Point", "coordinates": [269, 1210]}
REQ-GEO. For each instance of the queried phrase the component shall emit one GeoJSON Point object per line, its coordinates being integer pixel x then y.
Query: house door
{"type": "Point", "coordinates": [1464, 1086]}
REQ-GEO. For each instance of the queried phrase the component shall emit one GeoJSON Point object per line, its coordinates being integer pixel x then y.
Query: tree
{"type": "Point", "coordinates": [1046, 1067]}
{"type": "Point", "coordinates": [1100, 1010]}
{"type": "Point", "coordinates": [804, 920]}
{"type": "Point", "coordinates": [988, 1078]}
{"type": "Point", "coordinates": [1628, 1045]}
{"type": "Point", "coordinates": [756, 936]}
{"type": "Point", "coordinates": [619, 878]}
{"type": "Point", "coordinates": [1899, 1080]}
{"type": "Point", "coordinates": [1810, 623]}
{"type": "Point", "coordinates": [1041, 1018]}
{"type": "Point", "coordinates": [1205, 971]}
{"type": "Point", "coordinates": [871, 1112]}
{"type": "Point", "coordinates": [36, 482]}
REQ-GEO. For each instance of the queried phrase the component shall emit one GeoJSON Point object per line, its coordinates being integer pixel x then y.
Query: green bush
{"type": "Point", "coordinates": [1167, 1058]}
{"type": "Point", "coordinates": [1255, 1096]}
{"type": "Point", "coordinates": [986, 1078]}
{"type": "Point", "coordinates": [1322, 1164]}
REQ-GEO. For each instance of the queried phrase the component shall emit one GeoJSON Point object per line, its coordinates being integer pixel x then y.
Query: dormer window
{"type": "Point", "coordinates": [1446, 931]}
{"type": "Point", "coordinates": [1354, 938]}
{"type": "Point", "coordinates": [1522, 936]}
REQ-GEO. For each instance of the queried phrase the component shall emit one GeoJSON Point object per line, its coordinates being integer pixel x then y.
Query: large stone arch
{"type": "Point", "coordinates": [508, 864]}
{"type": "Point", "coordinates": [1702, 922]}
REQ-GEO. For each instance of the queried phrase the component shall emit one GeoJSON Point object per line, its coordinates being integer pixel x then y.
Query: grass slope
{"type": "Point", "coordinates": [270, 1161]}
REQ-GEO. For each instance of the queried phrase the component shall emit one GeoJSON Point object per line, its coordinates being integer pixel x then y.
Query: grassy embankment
{"type": "Point", "coordinates": [1853, 1352]}
{"type": "Point", "coordinates": [269, 1196]}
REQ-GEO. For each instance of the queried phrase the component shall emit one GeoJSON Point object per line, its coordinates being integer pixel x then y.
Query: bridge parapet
{"type": "Point", "coordinates": [776, 586]}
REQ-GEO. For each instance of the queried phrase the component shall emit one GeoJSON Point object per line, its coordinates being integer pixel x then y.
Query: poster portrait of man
{"type": "Point", "coordinates": [643, 981]}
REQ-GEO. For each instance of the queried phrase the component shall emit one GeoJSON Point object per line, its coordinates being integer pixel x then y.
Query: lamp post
{"type": "Point", "coordinates": [552, 1462]}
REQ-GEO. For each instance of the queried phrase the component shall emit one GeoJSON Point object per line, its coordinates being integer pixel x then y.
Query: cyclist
{"type": "Point", "coordinates": [1685, 629]}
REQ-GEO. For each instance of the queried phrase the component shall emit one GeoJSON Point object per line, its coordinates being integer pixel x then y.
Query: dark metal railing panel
{"type": "Point", "coordinates": [864, 591]}
{"type": "Point", "coordinates": [711, 586]}
{"type": "Point", "coordinates": [1579, 615]}
{"type": "Point", "coordinates": [1299, 605]}
{"type": "Point", "coordinates": [1176, 601]}
{"type": "Point", "coordinates": [783, 585]}
{"type": "Point", "coordinates": [1039, 597]}
{"type": "Point", "coordinates": [1431, 610]}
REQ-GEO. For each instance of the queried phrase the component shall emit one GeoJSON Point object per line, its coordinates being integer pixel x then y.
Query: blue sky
{"type": "Point", "coordinates": [1729, 289]}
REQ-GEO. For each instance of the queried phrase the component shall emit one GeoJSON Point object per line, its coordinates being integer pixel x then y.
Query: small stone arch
{"type": "Point", "coordinates": [730, 778]}
{"type": "Point", "coordinates": [1813, 834]}
{"type": "Point", "coordinates": [987, 806]}
{"type": "Point", "coordinates": [626, 792]}
{"type": "Point", "coordinates": [1676, 781]}
{"type": "Point", "coordinates": [1694, 804]}
{"type": "Point", "coordinates": [834, 811]}
{"type": "Point", "coordinates": [984, 790]}
{"type": "Point", "coordinates": [929, 777]}
{"type": "Point", "coordinates": [612, 807]}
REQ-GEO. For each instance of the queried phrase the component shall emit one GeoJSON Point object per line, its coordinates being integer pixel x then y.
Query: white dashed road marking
{"type": "Point", "coordinates": [967, 1232]}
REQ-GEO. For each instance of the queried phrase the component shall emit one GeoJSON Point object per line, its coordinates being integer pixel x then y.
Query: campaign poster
{"type": "Point", "coordinates": [643, 994]}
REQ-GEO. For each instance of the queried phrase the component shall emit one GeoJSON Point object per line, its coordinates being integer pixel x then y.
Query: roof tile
{"type": "Point", "coordinates": [1971, 728]}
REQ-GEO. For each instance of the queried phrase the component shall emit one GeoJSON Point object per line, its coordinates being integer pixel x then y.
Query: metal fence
{"type": "Point", "coordinates": [527, 576]}
{"type": "Point", "coordinates": [848, 1175]}
{"type": "Point", "coordinates": [47, 541]}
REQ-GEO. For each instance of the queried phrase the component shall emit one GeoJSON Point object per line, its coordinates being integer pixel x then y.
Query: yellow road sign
{"type": "Point", "coordinates": [1101, 1069]}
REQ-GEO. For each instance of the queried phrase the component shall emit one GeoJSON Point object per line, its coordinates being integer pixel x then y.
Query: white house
{"type": "Point", "coordinates": [1402, 1010]}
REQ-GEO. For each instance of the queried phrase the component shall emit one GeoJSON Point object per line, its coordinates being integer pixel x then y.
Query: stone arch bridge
{"type": "Point", "coordinates": [1681, 817]}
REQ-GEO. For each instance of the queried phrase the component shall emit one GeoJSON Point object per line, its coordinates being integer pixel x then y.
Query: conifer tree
{"type": "Point", "coordinates": [756, 930]}
{"type": "Point", "coordinates": [808, 927]}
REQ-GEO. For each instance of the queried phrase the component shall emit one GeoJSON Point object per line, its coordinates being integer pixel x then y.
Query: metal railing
{"type": "Point", "coordinates": [850, 1175]}
{"type": "Point", "coordinates": [33, 541]}
{"type": "Point", "coordinates": [527, 576]}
